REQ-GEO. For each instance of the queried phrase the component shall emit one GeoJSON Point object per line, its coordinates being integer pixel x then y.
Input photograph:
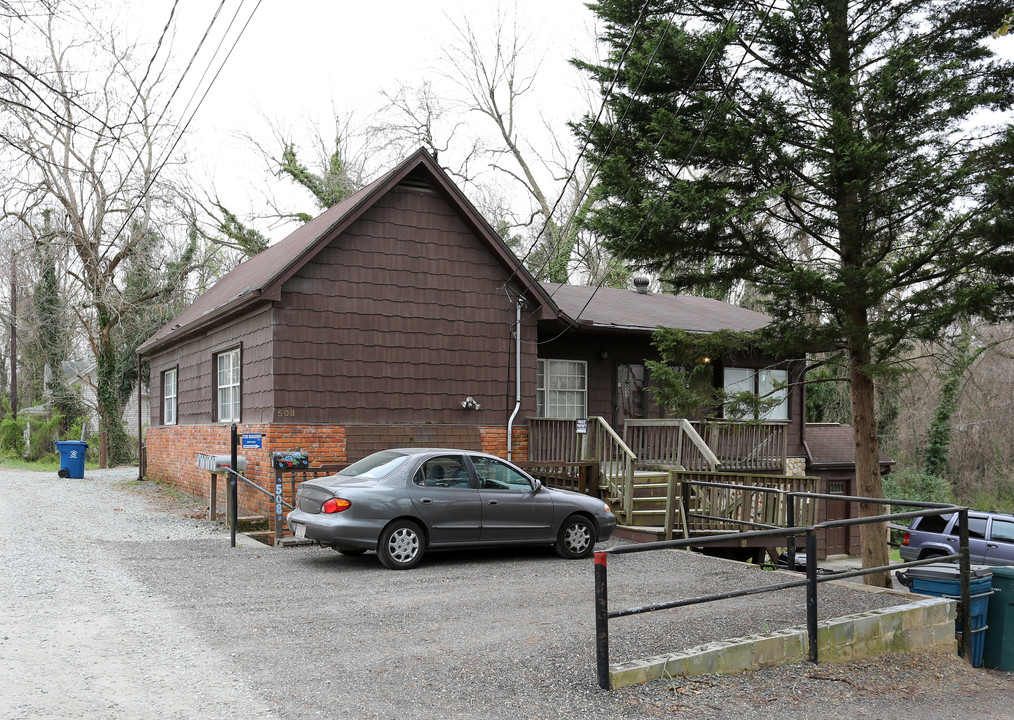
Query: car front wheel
{"type": "Point", "coordinates": [401, 545]}
{"type": "Point", "coordinates": [576, 538]}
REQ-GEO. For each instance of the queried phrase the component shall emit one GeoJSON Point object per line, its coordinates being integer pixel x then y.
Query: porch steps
{"type": "Point", "coordinates": [639, 534]}
{"type": "Point", "coordinates": [648, 501]}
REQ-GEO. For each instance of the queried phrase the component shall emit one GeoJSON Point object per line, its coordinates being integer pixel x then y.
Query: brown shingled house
{"type": "Point", "coordinates": [399, 317]}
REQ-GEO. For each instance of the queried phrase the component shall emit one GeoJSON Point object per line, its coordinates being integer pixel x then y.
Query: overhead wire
{"type": "Point", "coordinates": [676, 113]}
{"type": "Point", "coordinates": [140, 85]}
{"type": "Point", "coordinates": [598, 117]}
{"type": "Point", "coordinates": [683, 165]}
{"type": "Point", "coordinates": [164, 159]}
{"type": "Point", "coordinates": [591, 179]}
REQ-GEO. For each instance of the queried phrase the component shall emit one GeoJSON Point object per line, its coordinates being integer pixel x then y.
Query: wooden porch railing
{"type": "Point", "coordinates": [671, 443]}
{"type": "Point", "coordinates": [746, 446]}
{"type": "Point", "coordinates": [557, 440]}
{"type": "Point", "coordinates": [717, 508]}
{"type": "Point", "coordinates": [581, 476]}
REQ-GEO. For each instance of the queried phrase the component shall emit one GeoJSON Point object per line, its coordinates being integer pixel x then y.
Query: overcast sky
{"type": "Point", "coordinates": [299, 61]}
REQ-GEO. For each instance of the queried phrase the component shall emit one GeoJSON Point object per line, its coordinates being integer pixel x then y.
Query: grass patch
{"type": "Point", "coordinates": [46, 464]}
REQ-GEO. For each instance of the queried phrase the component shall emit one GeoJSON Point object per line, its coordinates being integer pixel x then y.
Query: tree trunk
{"type": "Point", "coordinates": [867, 456]}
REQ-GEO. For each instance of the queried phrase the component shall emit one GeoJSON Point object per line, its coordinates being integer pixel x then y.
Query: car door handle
{"type": "Point", "coordinates": [426, 501]}
{"type": "Point", "coordinates": [494, 502]}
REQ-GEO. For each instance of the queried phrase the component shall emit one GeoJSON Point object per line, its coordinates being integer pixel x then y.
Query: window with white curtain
{"type": "Point", "coordinates": [169, 397]}
{"type": "Point", "coordinates": [760, 382]}
{"type": "Point", "coordinates": [562, 388]}
{"type": "Point", "coordinates": [227, 385]}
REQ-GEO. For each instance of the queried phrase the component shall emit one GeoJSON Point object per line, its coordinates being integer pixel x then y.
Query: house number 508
{"type": "Point", "coordinates": [286, 413]}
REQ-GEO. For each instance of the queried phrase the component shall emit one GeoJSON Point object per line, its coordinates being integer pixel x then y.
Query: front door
{"type": "Point", "coordinates": [836, 539]}
{"type": "Point", "coordinates": [629, 400]}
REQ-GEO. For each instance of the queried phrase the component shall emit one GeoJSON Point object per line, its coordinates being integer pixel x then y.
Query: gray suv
{"type": "Point", "coordinates": [990, 537]}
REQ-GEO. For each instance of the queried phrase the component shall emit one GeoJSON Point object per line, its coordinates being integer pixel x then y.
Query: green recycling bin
{"type": "Point", "coordinates": [999, 650]}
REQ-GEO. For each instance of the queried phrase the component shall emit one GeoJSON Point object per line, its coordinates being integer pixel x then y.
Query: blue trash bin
{"type": "Point", "coordinates": [944, 580]}
{"type": "Point", "coordinates": [72, 458]}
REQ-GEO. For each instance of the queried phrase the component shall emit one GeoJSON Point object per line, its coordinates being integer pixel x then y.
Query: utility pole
{"type": "Point", "coordinates": [14, 335]}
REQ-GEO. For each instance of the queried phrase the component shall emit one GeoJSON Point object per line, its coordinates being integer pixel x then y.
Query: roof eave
{"type": "Point", "coordinates": [214, 316]}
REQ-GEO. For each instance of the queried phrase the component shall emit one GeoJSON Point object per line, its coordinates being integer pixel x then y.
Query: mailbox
{"type": "Point", "coordinates": [219, 463]}
{"type": "Point", "coordinates": [292, 460]}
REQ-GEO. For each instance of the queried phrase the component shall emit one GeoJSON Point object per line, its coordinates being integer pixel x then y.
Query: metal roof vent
{"type": "Point", "coordinates": [641, 284]}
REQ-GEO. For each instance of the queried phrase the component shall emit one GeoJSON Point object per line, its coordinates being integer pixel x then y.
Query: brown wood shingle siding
{"type": "Point", "coordinates": [196, 389]}
{"type": "Point", "coordinates": [398, 320]}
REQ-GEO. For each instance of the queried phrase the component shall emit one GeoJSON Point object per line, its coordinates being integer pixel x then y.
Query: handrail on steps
{"type": "Point", "coordinates": [602, 455]}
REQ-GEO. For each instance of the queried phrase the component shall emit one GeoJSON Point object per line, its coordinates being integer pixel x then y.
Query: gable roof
{"type": "Point", "coordinates": [616, 309]}
{"type": "Point", "coordinates": [260, 278]}
{"type": "Point", "coordinates": [830, 445]}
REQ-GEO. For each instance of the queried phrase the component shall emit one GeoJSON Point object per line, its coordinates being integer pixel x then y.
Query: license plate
{"type": "Point", "coordinates": [299, 530]}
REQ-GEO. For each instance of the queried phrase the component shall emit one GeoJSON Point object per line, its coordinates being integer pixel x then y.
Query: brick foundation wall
{"type": "Point", "coordinates": [494, 442]}
{"type": "Point", "coordinates": [172, 451]}
{"type": "Point", "coordinates": [172, 457]}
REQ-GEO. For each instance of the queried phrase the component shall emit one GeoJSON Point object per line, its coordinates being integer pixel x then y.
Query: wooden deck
{"type": "Point", "coordinates": [665, 480]}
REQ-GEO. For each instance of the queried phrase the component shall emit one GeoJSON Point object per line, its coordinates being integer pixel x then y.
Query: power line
{"type": "Point", "coordinates": [616, 126]}
{"type": "Point", "coordinates": [163, 160]}
{"type": "Point", "coordinates": [598, 117]}
{"type": "Point", "coordinates": [683, 165]}
{"type": "Point", "coordinates": [144, 79]}
{"type": "Point", "coordinates": [675, 114]}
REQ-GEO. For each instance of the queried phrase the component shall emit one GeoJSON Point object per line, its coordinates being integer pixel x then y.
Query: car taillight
{"type": "Point", "coordinates": [905, 538]}
{"type": "Point", "coordinates": [335, 505]}
{"type": "Point", "coordinates": [606, 507]}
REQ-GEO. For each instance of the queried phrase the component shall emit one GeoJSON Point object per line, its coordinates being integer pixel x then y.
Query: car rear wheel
{"type": "Point", "coordinates": [576, 538]}
{"type": "Point", "coordinates": [401, 545]}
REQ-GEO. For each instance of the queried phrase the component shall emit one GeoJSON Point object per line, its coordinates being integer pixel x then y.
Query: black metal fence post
{"type": "Point", "coordinates": [811, 594]}
{"type": "Point", "coordinates": [790, 520]}
{"type": "Point", "coordinates": [233, 469]}
{"type": "Point", "coordinates": [965, 566]}
{"type": "Point", "coordinates": [601, 621]}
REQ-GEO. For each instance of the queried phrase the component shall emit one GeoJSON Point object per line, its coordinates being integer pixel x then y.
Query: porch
{"type": "Point", "coordinates": [675, 478]}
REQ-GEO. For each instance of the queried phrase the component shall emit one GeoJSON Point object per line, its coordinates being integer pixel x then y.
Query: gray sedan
{"type": "Point", "coordinates": [404, 502]}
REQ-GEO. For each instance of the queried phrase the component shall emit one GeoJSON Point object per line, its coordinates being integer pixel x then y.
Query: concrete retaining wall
{"type": "Point", "coordinates": [921, 625]}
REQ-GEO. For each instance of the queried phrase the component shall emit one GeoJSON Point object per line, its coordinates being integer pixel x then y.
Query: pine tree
{"type": "Point", "coordinates": [840, 156]}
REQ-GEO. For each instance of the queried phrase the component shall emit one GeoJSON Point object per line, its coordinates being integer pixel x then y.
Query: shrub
{"type": "Point", "coordinates": [12, 437]}
{"type": "Point", "coordinates": [915, 484]}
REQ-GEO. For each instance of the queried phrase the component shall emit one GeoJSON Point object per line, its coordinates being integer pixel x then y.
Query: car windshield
{"type": "Point", "coordinates": [375, 466]}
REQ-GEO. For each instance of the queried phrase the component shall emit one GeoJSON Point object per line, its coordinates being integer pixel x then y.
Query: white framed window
{"type": "Point", "coordinates": [562, 389]}
{"type": "Point", "coordinates": [760, 382]}
{"type": "Point", "coordinates": [227, 385]}
{"type": "Point", "coordinates": [169, 397]}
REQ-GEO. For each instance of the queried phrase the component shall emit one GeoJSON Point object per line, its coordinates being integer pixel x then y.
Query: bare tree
{"type": "Point", "coordinates": [495, 75]}
{"type": "Point", "coordinates": [84, 136]}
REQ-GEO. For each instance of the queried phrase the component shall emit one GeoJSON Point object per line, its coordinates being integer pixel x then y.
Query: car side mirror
{"type": "Point", "coordinates": [536, 485]}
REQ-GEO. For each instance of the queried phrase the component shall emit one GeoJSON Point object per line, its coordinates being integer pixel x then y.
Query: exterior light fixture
{"type": "Point", "coordinates": [469, 403]}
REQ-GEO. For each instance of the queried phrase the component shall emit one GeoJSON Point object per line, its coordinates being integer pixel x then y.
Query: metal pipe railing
{"type": "Point", "coordinates": [603, 614]}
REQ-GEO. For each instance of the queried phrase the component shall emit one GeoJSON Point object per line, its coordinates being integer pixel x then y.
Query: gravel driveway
{"type": "Point", "coordinates": [118, 601]}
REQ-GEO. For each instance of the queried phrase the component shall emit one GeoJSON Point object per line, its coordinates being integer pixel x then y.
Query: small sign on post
{"type": "Point", "coordinates": [582, 426]}
{"type": "Point", "coordinates": [252, 441]}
